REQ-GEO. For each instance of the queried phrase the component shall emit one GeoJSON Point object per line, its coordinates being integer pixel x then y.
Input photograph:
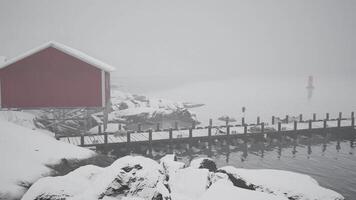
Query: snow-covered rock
{"type": "Point", "coordinates": [25, 154]}
{"type": "Point", "coordinates": [224, 189]}
{"type": "Point", "coordinates": [138, 108]}
{"type": "Point", "coordinates": [170, 165]}
{"type": "Point", "coordinates": [203, 163]}
{"type": "Point", "coordinates": [189, 183]}
{"type": "Point", "coordinates": [295, 186]}
{"type": "Point", "coordinates": [142, 178]}
{"type": "Point", "coordinates": [133, 177]}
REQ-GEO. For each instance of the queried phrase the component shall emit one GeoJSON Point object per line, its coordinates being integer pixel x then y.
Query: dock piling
{"type": "Point", "coordinates": [301, 118]}
{"type": "Point", "coordinates": [314, 117]}
{"type": "Point", "coordinates": [262, 127]}
{"type": "Point", "coordinates": [353, 122]}
{"type": "Point", "coordinates": [325, 124]}
{"type": "Point", "coordinates": [287, 119]}
{"type": "Point", "coordinates": [128, 137]}
{"type": "Point", "coordinates": [82, 140]}
{"type": "Point", "coordinates": [352, 114]}
{"type": "Point", "coordinates": [279, 126]}
{"type": "Point", "coordinates": [295, 125]}
{"type": "Point", "coordinates": [176, 125]}
{"type": "Point", "coordinates": [310, 124]}
{"type": "Point", "coordinates": [228, 130]}
{"type": "Point", "coordinates": [158, 127]}
{"type": "Point", "coordinates": [99, 129]}
{"type": "Point", "coordinates": [243, 121]}
{"type": "Point", "coordinates": [150, 136]}
{"type": "Point", "coordinates": [170, 134]}
{"type": "Point", "coordinates": [272, 120]}
{"type": "Point", "coordinates": [258, 120]}
{"type": "Point", "coordinates": [105, 138]}
{"type": "Point", "coordinates": [190, 133]}
{"type": "Point", "coordinates": [339, 122]}
{"type": "Point", "coordinates": [327, 116]}
{"type": "Point", "coordinates": [340, 115]}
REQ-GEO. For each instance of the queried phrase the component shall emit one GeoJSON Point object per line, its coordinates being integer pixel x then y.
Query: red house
{"type": "Point", "coordinates": [54, 76]}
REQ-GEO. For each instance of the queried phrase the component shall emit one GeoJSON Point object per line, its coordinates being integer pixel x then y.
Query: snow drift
{"type": "Point", "coordinates": [26, 152]}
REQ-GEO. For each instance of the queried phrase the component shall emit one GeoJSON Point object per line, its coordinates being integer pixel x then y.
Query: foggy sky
{"type": "Point", "coordinates": [192, 40]}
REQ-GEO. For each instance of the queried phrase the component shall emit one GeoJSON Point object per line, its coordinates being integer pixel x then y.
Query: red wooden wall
{"type": "Point", "coordinates": [51, 78]}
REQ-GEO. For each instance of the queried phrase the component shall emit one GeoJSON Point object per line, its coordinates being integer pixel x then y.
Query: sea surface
{"type": "Point", "coordinates": [329, 158]}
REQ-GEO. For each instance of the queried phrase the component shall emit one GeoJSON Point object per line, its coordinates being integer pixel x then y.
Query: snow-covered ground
{"type": "Point", "coordinates": [25, 152]}
{"type": "Point", "coordinates": [138, 177]}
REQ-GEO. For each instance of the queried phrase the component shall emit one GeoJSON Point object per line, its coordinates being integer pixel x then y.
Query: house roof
{"type": "Point", "coordinates": [68, 50]}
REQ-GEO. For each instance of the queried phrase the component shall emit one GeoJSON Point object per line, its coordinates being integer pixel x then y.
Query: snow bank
{"type": "Point", "coordinates": [25, 153]}
{"type": "Point", "coordinates": [284, 183]}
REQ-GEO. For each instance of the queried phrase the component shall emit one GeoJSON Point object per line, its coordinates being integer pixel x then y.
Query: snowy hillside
{"type": "Point", "coordinates": [25, 152]}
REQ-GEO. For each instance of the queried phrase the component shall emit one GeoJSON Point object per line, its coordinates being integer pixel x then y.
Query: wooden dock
{"type": "Point", "coordinates": [242, 130]}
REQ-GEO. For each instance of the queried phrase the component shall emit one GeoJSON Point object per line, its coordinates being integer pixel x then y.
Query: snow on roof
{"type": "Point", "coordinates": [68, 50]}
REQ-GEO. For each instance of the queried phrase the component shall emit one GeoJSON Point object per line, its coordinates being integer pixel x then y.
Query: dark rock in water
{"type": "Point", "coordinates": [52, 197]}
{"type": "Point", "coordinates": [204, 163]}
{"type": "Point", "coordinates": [237, 181]}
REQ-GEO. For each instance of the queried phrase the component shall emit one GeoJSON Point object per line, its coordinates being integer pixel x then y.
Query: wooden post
{"type": "Point", "coordinates": [82, 140]}
{"type": "Point", "coordinates": [190, 133]}
{"type": "Point", "coordinates": [353, 122]}
{"type": "Point", "coordinates": [310, 124]}
{"type": "Point", "coordinates": [128, 135]}
{"type": "Point", "coordinates": [258, 120]}
{"type": "Point", "coordinates": [325, 124]}
{"type": "Point", "coordinates": [262, 127]}
{"type": "Point", "coordinates": [170, 134]}
{"type": "Point", "coordinates": [352, 114]}
{"type": "Point", "coordinates": [279, 126]}
{"type": "Point", "coordinates": [157, 127]}
{"type": "Point", "coordinates": [150, 135]}
{"type": "Point", "coordinates": [105, 138]}
{"type": "Point", "coordinates": [176, 125]}
{"type": "Point", "coordinates": [245, 129]}
{"type": "Point", "coordinates": [209, 131]}
{"type": "Point", "coordinates": [227, 121]}
{"type": "Point", "coordinates": [287, 119]}
{"type": "Point", "coordinates": [243, 121]}
{"type": "Point", "coordinates": [99, 129]}
{"type": "Point", "coordinates": [120, 127]}
{"type": "Point", "coordinates": [314, 116]}
{"type": "Point", "coordinates": [295, 125]}
{"type": "Point", "coordinates": [327, 116]}
{"type": "Point", "coordinates": [340, 115]}
{"type": "Point", "coordinates": [339, 122]}
{"type": "Point", "coordinates": [301, 118]}
{"type": "Point", "coordinates": [227, 130]}
{"type": "Point", "coordinates": [210, 122]}
{"type": "Point", "coordinates": [139, 128]}
{"type": "Point", "coordinates": [193, 124]}
{"type": "Point", "coordinates": [272, 120]}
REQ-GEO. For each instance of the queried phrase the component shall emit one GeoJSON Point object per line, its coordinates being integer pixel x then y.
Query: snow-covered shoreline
{"type": "Point", "coordinates": [137, 177]}
{"type": "Point", "coordinates": [27, 152]}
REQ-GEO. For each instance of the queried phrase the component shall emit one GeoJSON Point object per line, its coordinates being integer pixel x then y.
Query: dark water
{"type": "Point", "coordinates": [329, 157]}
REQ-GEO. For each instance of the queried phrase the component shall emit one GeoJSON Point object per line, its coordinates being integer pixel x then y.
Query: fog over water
{"type": "Point", "coordinates": [262, 96]}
